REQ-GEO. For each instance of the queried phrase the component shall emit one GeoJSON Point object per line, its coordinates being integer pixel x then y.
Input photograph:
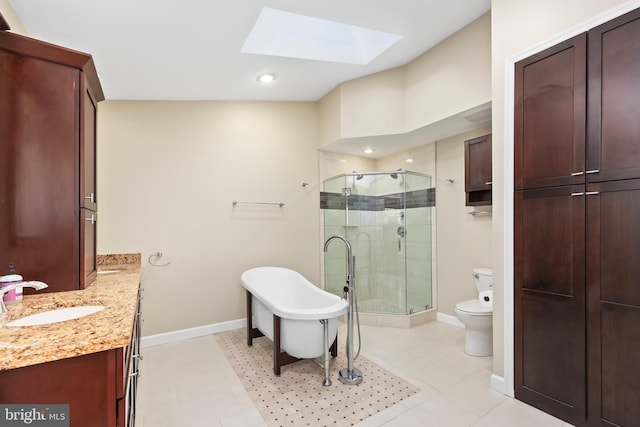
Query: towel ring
{"type": "Point", "coordinates": [158, 255]}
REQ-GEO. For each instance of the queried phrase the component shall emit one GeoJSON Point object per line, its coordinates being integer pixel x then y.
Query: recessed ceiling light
{"type": "Point", "coordinates": [290, 35]}
{"type": "Point", "coordinates": [368, 150]}
{"type": "Point", "coordinates": [266, 78]}
{"type": "Point", "coordinates": [409, 160]}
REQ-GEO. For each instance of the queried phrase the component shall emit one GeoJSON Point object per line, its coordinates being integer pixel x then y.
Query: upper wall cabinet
{"type": "Point", "coordinates": [47, 161]}
{"type": "Point", "coordinates": [477, 164]}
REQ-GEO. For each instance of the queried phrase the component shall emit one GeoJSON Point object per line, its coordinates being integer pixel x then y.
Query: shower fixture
{"type": "Point", "coordinates": [394, 175]}
{"type": "Point", "coordinates": [348, 375]}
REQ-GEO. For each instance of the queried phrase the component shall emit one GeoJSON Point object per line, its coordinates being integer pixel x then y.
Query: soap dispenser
{"type": "Point", "coordinates": [9, 279]}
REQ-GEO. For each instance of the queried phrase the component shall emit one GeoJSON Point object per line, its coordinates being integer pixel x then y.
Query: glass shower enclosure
{"type": "Point", "coordinates": [387, 218]}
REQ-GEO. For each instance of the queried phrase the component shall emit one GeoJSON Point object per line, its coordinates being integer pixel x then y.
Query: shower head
{"type": "Point", "coordinates": [395, 175]}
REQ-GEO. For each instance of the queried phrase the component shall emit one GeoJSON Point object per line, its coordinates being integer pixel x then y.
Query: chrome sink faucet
{"type": "Point", "coordinates": [32, 284]}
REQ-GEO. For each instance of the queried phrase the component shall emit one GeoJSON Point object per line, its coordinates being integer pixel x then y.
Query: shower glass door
{"type": "Point", "coordinates": [387, 219]}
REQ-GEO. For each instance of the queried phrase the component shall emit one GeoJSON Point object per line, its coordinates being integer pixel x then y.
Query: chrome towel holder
{"type": "Point", "coordinates": [157, 255]}
{"type": "Point", "coordinates": [235, 203]}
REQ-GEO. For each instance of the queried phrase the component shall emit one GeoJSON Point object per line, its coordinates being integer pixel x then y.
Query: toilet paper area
{"type": "Point", "coordinates": [486, 298]}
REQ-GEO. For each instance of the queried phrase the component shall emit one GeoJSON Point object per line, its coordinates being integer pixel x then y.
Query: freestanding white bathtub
{"type": "Point", "coordinates": [288, 309]}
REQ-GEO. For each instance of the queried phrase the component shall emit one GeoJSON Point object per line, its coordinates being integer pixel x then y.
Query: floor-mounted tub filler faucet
{"type": "Point", "coordinates": [348, 375]}
{"type": "Point", "coordinates": [32, 284]}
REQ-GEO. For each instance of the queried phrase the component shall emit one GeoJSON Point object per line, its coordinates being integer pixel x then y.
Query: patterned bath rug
{"type": "Point", "coordinates": [298, 398]}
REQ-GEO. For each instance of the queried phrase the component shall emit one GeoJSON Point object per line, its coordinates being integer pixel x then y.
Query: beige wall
{"type": "Point", "coordinates": [373, 105]}
{"type": "Point", "coordinates": [167, 175]}
{"type": "Point", "coordinates": [330, 116]}
{"type": "Point", "coordinates": [12, 19]}
{"type": "Point", "coordinates": [520, 28]}
{"type": "Point", "coordinates": [449, 79]}
{"type": "Point", "coordinates": [464, 241]}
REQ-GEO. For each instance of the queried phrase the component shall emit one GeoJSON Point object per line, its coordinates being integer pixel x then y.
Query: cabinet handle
{"type": "Point", "coordinates": [91, 197]}
{"type": "Point", "coordinates": [488, 183]}
{"type": "Point", "coordinates": [577, 173]}
{"type": "Point", "coordinates": [577, 194]}
{"type": "Point", "coordinates": [92, 219]}
{"type": "Point", "coordinates": [593, 171]}
{"type": "Point", "coordinates": [591, 193]}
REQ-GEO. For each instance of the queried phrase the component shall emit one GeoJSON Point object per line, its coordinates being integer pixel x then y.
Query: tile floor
{"type": "Point", "coordinates": [190, 383]}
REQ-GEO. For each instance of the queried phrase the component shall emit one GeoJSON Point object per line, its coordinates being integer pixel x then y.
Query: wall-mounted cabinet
{"type": "Point", "coordinates": [477, 168]}
{"type": "Point", "coordinates": [48, 200]}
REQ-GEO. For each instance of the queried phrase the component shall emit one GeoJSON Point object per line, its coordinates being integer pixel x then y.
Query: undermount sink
{"type": "Point", "coordinates": [58, 315]}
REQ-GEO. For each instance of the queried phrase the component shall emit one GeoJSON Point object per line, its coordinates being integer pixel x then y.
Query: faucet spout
{"type": "Point", "coordinates": [349, 256]}
{"type": "Point", "coordinates": [345, 241]}
{"type": "Point", "coordinates": [32, 284]}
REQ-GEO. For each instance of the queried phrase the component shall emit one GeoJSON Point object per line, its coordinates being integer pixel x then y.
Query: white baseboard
{"type": "Point", "coordinates": [451, 320]}
{"type": "Point", "coordinates": [198, 331]}
{"type": "Point", "coordinates": [499, 384]}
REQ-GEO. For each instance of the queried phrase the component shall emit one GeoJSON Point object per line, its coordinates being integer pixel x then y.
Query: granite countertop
{"type": "Point", "coordinates": [115, 287]}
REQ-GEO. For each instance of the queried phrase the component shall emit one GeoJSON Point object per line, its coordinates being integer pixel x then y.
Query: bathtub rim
{"type": "Point", "coordinates": [338, 308]}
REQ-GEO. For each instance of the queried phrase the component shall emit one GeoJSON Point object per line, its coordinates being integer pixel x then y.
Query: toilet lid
{"type": "Point", "coordinates": [473, 306]}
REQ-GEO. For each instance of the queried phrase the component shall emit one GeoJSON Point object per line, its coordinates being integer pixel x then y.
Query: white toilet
{"type": "Point", "coordinates": [477, 316]}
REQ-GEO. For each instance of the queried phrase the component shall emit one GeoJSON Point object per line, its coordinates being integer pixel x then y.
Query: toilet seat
{"type": "Point", "coordinates": [474, 308]}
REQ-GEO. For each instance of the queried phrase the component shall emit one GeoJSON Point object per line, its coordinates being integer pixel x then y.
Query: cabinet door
{"type": "Point", "coordinates": [38, 170]}
{"type": "Point", "coordinates": [89, 224]}
{"type": "Point", "coordinates": [550, 300]}
{"type": "Point", "coordinates": [613, 271]}
{"type": "Point", "coordinates": [549, 116]}
{"type": "Point", "coordinates": [477, 164]}
{"type": "Point", "coordinates": [614, 99]}
{"type": "Point", "coordinates": [88, 186]}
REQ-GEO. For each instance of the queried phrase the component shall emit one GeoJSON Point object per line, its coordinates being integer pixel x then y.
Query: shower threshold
{"type": "Point", "coordinates": [405, 321]}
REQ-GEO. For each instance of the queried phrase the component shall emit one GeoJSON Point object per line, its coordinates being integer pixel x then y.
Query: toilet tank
{"type": "Point", "coordinates": [484, 279]}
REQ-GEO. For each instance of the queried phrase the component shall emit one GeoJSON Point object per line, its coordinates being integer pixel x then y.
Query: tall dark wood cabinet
{"type": "Point", "coordinates": [577, 227]}
{"type": "Point", "coordinates": [48, 98]}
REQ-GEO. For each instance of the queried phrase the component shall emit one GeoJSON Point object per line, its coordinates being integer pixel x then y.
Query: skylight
{"type": "Point", "coordinates": [280, 33]}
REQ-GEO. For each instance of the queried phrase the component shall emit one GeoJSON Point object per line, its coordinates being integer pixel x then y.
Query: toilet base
{"type": "Point", "coordinates": [478, 342]}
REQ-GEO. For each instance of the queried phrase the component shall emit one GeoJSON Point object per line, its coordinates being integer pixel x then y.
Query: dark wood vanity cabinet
{"type": "Point", "coordinates": [48, 99]}
{"type": "Point", "coordinates": [576, 230]}
{"type": "Point", "coordinates": [477, 165]}
{"type": "Point", "coordinates": [126, 403]}
{"type": "Point", "coordinates": [100, 388]}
